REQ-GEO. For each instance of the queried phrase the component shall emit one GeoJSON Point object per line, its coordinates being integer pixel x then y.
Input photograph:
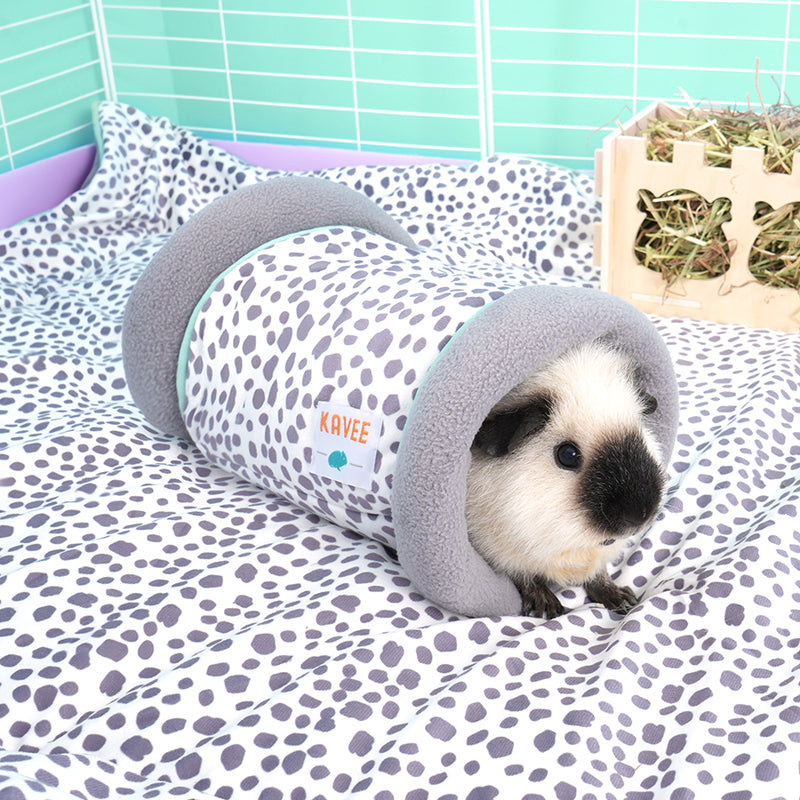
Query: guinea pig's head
{"type": "Point", "coordinates": [575, 435]}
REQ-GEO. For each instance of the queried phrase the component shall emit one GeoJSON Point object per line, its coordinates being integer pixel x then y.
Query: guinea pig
{"type": "Point", "coordinates": [563, 472]}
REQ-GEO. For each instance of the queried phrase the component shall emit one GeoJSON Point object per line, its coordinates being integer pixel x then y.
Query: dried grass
{"type": "Point", "coordinates": [775, 254]}
{"type": "Point", "coordinates": [681, 235]}
{"type": "Point", "coordinates": [777, 133]}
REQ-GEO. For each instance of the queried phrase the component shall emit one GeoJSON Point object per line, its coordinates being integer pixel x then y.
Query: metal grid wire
{"type": "Point", "coordinates": [455, 78]}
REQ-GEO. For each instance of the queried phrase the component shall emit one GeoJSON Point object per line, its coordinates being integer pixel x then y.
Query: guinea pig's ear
{"type": "Point", "coordinates": [649, 403]}
{"type": "Point", "coordinates": [504, 432]}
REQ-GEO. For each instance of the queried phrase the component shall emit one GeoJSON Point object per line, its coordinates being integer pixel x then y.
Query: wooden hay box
{"type": "Point", "coordinates": [622, 169]}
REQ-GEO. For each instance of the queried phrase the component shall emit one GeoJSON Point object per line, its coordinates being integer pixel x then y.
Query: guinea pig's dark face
{"type": "Point", "coordinates": [620, 485]}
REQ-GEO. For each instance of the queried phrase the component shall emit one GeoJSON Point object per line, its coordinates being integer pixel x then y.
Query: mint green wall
{"type": "Point", "coordinates": [463, 78]}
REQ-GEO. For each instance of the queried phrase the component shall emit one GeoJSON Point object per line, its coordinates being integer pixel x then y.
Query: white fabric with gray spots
{"type": "Point", "coordinates": [337, 316]}
{"type": "Point", "coordinates": [169, 629]}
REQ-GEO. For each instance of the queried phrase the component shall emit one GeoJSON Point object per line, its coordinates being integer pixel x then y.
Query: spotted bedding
{"type": "Point", "coordinates": [170, 630]}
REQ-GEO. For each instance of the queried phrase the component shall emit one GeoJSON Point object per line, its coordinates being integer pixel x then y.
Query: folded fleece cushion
{"type": "Point", "coordinates": [297, 335]}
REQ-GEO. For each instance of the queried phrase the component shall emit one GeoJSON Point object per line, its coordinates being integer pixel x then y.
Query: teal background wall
{"type": "Point", "coordinates": [457, 78]}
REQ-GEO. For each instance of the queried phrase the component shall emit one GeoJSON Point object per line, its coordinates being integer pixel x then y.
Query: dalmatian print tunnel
{"type": "Point", "coordinates": [296, 334]}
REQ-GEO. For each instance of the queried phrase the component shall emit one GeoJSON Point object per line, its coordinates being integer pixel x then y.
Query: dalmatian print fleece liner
{"type": "Point", "coordinates": [169, 629]}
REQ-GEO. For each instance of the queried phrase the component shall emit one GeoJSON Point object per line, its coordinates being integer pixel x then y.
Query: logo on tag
{"type": "Point", "coordinates": [345, 444]}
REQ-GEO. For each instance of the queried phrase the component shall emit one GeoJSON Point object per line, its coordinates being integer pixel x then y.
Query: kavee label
{"type": "Point", "coordinates": [345, 444]}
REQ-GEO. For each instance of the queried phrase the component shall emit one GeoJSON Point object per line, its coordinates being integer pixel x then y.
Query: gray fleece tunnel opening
{"type": "Point", "coordinates": [511, 338]}
{"type": "Point", "coordinates": [493, 350]}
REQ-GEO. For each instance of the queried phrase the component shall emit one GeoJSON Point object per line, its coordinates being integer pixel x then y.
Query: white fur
{"type": "Point", "coordinates": [522, 510]}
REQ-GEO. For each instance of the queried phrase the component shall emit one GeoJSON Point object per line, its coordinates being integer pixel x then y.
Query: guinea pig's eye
{"type": "Point", "coordinates": [568, 455]}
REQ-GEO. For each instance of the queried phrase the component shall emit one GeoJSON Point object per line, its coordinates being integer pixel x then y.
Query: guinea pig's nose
{"type": "Point", "coordinates": [623, 486]}
{"type": "Point", "coordinates": [634, 516]}
{"type": "Point", "coordinates": [624, 515]}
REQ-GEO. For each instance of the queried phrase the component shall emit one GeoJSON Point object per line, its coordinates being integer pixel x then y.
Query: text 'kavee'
{"type": "Point", "coordinates": [345, 443]}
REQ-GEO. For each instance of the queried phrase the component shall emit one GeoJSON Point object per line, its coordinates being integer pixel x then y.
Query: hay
{"type": "Point", "coordinates": [777, 133]}
{"type": "Point", "coordinates": [681, 235]}
{"type": "Point", "coordinates": [775, 254]}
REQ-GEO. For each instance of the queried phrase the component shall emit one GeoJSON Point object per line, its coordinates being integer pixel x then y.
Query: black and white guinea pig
{"type": "Point", "coordinates": [563, 472]}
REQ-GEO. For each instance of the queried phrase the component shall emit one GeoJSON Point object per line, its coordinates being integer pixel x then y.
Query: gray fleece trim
{"type": "Point", "coordinates": [166, 294]}
{"type": "Point", "coordinates": [503, 343]}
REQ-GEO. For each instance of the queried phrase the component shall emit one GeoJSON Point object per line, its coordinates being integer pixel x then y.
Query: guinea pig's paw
{"type": "Point", "coordinates": [538, 599]}
{"type": "Point", "coordinates": [601, 589]}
